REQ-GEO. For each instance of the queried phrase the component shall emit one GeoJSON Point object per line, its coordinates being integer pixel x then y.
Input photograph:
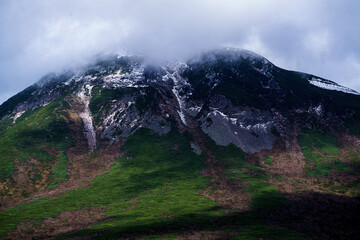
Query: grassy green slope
{"type": "Point", "coordinates": [30, 136]}
{"type": "Point", "coordinates": [155, 187]}
{"type": "Point", "coordinates": [336, 170]}
{"type": "Point", "coordinates": [264, 195]}
{"type": "Point", "coordinates": [154, 170]}
{"type": "Point", "coordinates": [321, 153]}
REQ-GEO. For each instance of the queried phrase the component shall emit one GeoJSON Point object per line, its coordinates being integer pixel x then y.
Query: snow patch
{"type": "Point", "coordinates": [196, 108]}
{"type": "Point", "coordinates": [85, 95]}
{"type": "Point", "coordinates": [260, 126]}
{"type": "Point", "coordinates": [120, 79]}
{"type": "Point", "coordinates": [237, 122]}
{"type": "Point", "coordinates": [329, 85]}
{"type": "Point", "coordinates": [195, 148]}
{"type": "Point", "coordinates": [172, 72]}
{"type": "Point", "coordinates": [17, 115]}
{"type": "Point", "coordinates": [216, 112]}
{"type": "Point", "coordinates": [318, 110]}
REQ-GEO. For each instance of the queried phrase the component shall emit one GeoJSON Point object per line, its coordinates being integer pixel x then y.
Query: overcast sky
{"type": "Point", "coordinates": [321, 37]}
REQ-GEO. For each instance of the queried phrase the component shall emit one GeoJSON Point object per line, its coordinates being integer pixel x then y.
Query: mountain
{"type": "Point", "coordinates": [223, 146]}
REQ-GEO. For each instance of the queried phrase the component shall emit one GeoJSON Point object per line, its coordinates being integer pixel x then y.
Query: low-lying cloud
{"type": "Point", "coordinates": [36, 37]}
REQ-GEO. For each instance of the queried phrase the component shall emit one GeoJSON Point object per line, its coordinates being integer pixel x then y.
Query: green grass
{"type": "Point", "coordinates": [268, 160]}
{"type": "Point", "coordinates": [25, 115]}
{"type": "Point", "coordinates": [316, 164]}
{"type": "Point", "coordinates": [30, 136]}
{"type": "Point", "coordinates": [164, 181]}
{"type": "Point", "coordinates": [5, 123]}
{"type": "Point", "coordinates": [264, 196]}
{"type": "Point", "coordinates": [60, 170]}
{"type": "Point", "coordinates": [166, 184]}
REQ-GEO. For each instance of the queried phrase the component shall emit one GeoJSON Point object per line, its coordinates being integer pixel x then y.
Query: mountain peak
{"type": "Point", "coordinates": [227, 129]}
{"type": "Point", "coordinates": [228, 54]}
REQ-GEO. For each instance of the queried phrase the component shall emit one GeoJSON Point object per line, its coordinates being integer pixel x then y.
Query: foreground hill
{"type": "Point", "coordinates": [225, 145]}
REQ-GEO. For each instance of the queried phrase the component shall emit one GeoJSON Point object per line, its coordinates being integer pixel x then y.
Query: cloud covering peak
{"type": "Point", "coordinates": [320, 37]}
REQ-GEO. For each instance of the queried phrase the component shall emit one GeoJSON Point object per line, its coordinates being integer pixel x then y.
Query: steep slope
{"type": "Point", "coordinates": [215, 147]}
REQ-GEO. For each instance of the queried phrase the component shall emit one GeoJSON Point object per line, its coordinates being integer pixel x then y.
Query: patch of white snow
{"type": "Point", "coordinates": [85, 95]}
{"type": "Point", "coordinates": [178, 81]}
{"type": "Point", "coordinates": [329, 85]}
{"type": "Point", "coordinates": [17, 115]}
{"type": "Point", "coordinates": [318, 110]}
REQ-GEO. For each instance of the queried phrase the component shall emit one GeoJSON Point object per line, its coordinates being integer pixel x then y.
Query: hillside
{"type": "Point", "coordinates": [223, 146]}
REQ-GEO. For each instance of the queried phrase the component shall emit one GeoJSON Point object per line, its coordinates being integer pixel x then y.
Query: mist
{"type": "Point", "coordinates": [37, 37]}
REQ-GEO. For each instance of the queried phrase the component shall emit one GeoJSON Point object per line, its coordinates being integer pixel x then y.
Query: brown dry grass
{"type": "Point", "coordinates": [84, 168]}
{"type": "Point", "coordinates": [288, 175]}
{"type": "Point", "coordinates": [20, 185]}
{"type": "Point", "coordinates": [65, 223]}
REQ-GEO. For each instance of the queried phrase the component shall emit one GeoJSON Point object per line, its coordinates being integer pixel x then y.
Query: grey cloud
{"type": "Point", "coordinates": [320, 37]}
